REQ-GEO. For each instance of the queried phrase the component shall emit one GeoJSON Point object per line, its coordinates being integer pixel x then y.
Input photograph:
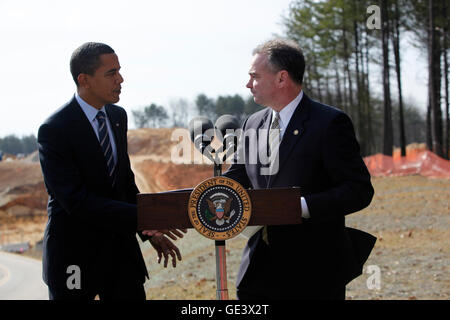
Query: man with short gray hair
{"type": "Point", "coordinates": [317, 150]}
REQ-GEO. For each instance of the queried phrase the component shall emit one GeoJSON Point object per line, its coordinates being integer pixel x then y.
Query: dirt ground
{"type": "Point", "coordinates": [409, 215]}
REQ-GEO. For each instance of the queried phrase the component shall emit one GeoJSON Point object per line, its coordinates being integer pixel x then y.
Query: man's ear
{"type": "Point", "coordinates": [283, 76]}
{"type": "Point", "coordinates": [83, 80]}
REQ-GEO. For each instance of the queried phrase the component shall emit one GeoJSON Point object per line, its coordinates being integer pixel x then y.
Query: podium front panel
{"type": "Point", "coordinates": [169, 210]}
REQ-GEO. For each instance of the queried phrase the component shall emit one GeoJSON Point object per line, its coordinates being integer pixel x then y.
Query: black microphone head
{"type": "Point", "coordinates": [225, 122]}
{"type": "Point", "coordinates": [199, 125]}
{"type": "Point", "coordinates": [201, 130]}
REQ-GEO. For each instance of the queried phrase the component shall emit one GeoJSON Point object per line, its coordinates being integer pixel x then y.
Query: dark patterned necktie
{"type": "Point", "coordinates": [274, 144]}
{"type": "Point", "coordinates": [105, 143]}
{"type": "Point", "coordinates": [274, 136]}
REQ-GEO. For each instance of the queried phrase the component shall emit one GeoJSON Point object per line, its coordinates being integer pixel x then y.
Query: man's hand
{"type": "Point", "coordinates": [171, 233]}
{"type": "Point", "coordinates": [164, 247]}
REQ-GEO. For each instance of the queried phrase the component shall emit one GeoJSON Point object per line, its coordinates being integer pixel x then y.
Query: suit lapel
{"type": "Point", "coordinates": [86, 137]}
{"type": "Point", "coordinates": [294, 131]}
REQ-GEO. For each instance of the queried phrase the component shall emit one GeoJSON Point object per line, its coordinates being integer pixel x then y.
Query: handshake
{"type": "Point", "coordinates": [163, 246]}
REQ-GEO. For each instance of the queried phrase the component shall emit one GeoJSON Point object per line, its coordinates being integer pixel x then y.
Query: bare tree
{"type": "Point", "coordinates": [434, 80]}
{"type": "Point", "coordinates": [396, 46]}
{"type": "Point", "coordinates": [179, 112]}
{"type": "Point", "coordinates": [388, 135]}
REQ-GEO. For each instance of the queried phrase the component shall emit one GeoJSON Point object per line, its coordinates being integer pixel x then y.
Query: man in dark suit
{"type": "Point", "coordinates": [90, 245]}
{"type": "Point", "coordinates": [311, 146]}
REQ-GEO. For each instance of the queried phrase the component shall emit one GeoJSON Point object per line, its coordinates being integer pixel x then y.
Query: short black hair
{"type": "Point", "coordinates": [284, 55]}
{"type": "Point", "coordinates": [86, 58]}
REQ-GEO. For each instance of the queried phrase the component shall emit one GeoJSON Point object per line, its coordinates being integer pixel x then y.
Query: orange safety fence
{"type": "Point", "coordinates": [416, 161]}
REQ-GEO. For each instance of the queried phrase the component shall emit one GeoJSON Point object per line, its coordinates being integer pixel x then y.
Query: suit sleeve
{"type": "Point", "coordinates": [351, 188]}
{"type": "Point", "coordinates": [65, 184]}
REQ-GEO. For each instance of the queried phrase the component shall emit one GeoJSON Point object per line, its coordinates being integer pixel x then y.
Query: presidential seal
{"type": "Point", "coordinates": [219, 208]}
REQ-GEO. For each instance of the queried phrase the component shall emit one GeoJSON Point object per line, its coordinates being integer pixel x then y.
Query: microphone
{"type": "Point", "coordinates": [226, 127]}
{"type": "Point", "coordinates": [201, 130]}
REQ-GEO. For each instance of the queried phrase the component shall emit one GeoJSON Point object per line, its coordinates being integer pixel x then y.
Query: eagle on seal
{"type": "Point", "coordinates": [219, 209]}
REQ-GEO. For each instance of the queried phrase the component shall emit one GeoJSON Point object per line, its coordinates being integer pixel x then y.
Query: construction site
{"type": "Point", "coordinates": [409, 214]}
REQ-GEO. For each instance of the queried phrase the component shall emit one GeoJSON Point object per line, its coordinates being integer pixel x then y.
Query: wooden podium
{"type": "Point", "coordinates": [165, 210]}
{"type": "Point", "coordinates": [169, 210]}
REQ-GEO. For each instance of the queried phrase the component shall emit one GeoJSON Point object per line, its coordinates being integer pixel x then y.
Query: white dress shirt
{"type": "Point", "coordinates": [91, 114]}
{"type": "Point", "coordinates": [286, 113]}
{"type": "Point", "coordinates": [285, 116]}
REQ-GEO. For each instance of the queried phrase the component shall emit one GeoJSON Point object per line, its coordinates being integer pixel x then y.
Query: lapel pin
{"type": "Point", "coordinates": [295, 132]}
{"type": "Point", "coordinates": [117, 124]}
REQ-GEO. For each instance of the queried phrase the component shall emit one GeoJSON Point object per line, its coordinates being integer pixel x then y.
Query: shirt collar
{"type": "Point", "coordinates": [287, 112]}
{"type": "Point", "coordinates": [88, 110]}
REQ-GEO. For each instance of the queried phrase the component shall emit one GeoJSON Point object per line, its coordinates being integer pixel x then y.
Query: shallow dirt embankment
{"type": "Point", "coordinates": [23, 201]}
{"type": "Point", "coordinates": [159, 176]}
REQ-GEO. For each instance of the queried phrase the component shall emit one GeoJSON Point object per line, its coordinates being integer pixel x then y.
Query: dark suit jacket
{"type": "Point", "coordinates": [322, 159]}
{"type": "Point", "coordinates": [90, 223]}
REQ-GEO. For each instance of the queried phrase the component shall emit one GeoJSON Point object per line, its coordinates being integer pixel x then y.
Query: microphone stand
{"type": "Point", "coordinates": [221, 254]}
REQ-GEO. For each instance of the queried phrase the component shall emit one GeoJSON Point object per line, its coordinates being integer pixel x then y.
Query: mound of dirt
{"type": "Point", "coordinates": [150, 142]}
{"type": "Point", "coordinates": [22, 191]}
{"type": "Point", "coordinates": [418, 160]}
{"type": "Point", "coordinates": [23, 201]}
{"type": "Point", "coordinates": [152, 176]}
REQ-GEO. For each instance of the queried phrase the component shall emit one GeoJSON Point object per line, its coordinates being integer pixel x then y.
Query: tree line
{"type": "Point", "coordinates": [342, 44]}
{"type": "Point", "coordinates": [180, 111]}
{"type": "Point", "coordinates": [12, 144]}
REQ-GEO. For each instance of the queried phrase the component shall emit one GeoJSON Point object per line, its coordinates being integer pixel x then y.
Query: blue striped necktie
{"type": "Point", "coordinates": [106, 145]}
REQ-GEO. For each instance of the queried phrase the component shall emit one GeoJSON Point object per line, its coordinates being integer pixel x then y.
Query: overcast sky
{"type": "Point", "coordinates": [167, 50]}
